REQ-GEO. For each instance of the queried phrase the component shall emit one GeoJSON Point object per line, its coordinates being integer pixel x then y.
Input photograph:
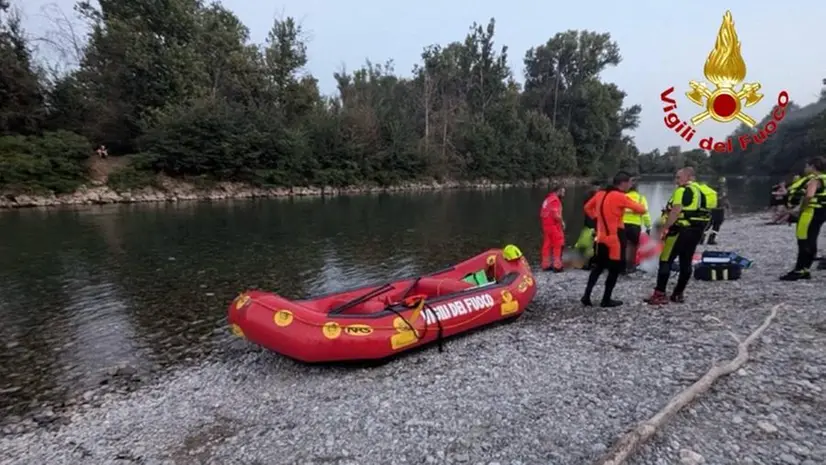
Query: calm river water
{"type": "Point", "coordinates": [88, 289]}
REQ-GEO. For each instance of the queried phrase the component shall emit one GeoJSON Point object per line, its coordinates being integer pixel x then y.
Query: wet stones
{"type": "Point", "coordinates": [689, 457]}
{"type": "Point", "coordinates": [767, 427]}
{"type": "Point", "coordinates": [118, 380]}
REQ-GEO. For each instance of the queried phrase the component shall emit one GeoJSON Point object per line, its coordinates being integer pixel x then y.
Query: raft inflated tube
{"type": "Point", "coordinates": [383, 320]}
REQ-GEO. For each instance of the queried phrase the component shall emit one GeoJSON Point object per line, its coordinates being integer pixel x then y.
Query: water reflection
{"type": "Point", "coordinates": [81, 289]}
{"type": "Point", "coordinates": [93, 342]}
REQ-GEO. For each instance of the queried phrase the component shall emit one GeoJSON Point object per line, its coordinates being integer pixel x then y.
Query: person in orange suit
{"type": "Point", "coordinates": [607, 207]}
{"type": "Point", "coordinates": [553, 229]}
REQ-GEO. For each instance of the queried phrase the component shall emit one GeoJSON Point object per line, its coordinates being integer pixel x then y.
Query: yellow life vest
{"type": "Point", "coordinates": [797, 190]}
{"type": "Point", "coordinates": [710, 194]}
{"type": "Point", "coordinates": [819, 199]}
{"type": "Point", "coordinates": [695, 214]}
{"type": "Point", "coordinates": [631, 217]}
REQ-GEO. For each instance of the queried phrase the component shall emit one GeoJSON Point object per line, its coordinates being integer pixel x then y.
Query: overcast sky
{"type": "Point", "coordinates": [663, 43]}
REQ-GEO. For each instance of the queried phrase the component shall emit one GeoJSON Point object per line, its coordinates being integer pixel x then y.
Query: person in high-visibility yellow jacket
{"type": "Point", "coordinates": [685, 220]}
{"type": "Point", "coordinates": [634, 222]}
{"type": "Point", "coordinates": [717, 215]}
{"type": "Point", "coordinates": [810, 210]}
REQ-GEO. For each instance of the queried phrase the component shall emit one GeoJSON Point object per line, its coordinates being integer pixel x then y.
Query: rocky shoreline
{"type": "Point", "coordinates": [557, 386]}
{"type": "Point", "coordinates": [172, 190]}
{"type": "Point", "coordinates": [117, 381]}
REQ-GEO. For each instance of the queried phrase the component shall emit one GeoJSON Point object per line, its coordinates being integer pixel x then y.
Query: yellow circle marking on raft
{"type": "Point", "coordinates": [283, 318]}
{"type": "Point", "coordinates": [331, 330]}
{"type": "Point", "coordinates": [237, 331]}
{"type": "Point", "coordinates": [241, 300]}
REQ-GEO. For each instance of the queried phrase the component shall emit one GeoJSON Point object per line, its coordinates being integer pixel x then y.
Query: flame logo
{"type": "Point", "coordinates": [725, 68]}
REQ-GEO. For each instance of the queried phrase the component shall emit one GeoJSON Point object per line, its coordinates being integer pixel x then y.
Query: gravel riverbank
{"type": "Point", "coordinates": [556, 387]}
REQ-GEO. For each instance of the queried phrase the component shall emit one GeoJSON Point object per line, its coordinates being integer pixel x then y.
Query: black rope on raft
{"type": "Point", "coordinates": [440, 329]}
{"type": "Point", "coordinates": [439, 334]}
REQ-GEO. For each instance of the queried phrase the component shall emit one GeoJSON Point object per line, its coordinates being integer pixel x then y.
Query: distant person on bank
{"type": "Point", "coordinates": [779, 198]}
{"type": "Point", "coordinates": [553, 229]}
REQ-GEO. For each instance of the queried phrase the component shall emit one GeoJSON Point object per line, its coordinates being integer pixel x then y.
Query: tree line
{"type": "Point", "coordinates": [179, 88]}
{"type": "Point", "coordinates": [799, 136]}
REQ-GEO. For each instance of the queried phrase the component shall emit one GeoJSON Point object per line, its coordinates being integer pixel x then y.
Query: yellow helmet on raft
{"type": "Point", "coordinates": [511, 252]}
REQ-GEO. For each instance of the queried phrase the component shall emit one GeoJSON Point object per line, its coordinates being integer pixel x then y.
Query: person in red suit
{"type": "Point", "coordinates": [553, 229]}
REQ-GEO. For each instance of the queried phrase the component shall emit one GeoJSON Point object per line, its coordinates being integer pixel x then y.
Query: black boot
{"type": "Point", "coordinates": [795, 275]}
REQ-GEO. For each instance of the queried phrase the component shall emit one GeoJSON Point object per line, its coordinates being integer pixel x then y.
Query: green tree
{"type": "Point", "coordinates": [178, 86]}
{"type": "Point", "coordinates": [21, 98]}
{"type": "Point", "coordinates": [562, 81]}
{"type": "Point", "coordinates": [140, 57]}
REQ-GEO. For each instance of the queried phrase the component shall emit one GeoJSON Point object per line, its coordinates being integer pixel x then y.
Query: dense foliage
{"type": "Point", "coordinates": [179, 83]}
{"type": "Point", "coordinates": [799, 136]}
{"type": "Point", "coordinates": [178, 88]}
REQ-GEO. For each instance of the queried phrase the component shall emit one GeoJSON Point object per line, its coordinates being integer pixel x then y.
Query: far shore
{"type": "Point", "coordinates": [173, 190]}
{"type": "Point", "coordinates": [176, 190]}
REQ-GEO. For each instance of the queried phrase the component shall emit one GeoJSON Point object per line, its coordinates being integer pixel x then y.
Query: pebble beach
{"type": "Point", "coordinates": [558, 386]}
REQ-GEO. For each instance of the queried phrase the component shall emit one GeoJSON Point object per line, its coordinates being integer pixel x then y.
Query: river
{"type": "Point", "coordinates": [86, 290]}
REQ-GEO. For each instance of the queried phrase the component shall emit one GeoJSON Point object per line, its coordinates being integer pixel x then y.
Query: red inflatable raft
{"type": "Point", "coordinates": [379, 321]}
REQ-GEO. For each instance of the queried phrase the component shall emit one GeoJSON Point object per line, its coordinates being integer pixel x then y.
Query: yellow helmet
{"type": "Point", "coordinates": [511, 252]}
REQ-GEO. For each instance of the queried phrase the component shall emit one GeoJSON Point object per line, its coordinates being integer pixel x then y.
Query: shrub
{"type": "Point", "coordinates": [129, 178]}
{"type": "Point", "coordinates": [54, 162]}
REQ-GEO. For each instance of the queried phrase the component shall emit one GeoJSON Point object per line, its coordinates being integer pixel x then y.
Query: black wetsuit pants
{"type": "Point", "coordinates": [681, 244]}
{"type": "Point", "coordinates": [602, 261]}
{"type": "Point", "coordinates": [808, 228]}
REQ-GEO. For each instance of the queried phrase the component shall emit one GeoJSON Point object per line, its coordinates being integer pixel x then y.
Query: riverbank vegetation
{"type": "Point", "coordinates": [799, 136]}
{"type": "Point", "coordinates": [178, 88]}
